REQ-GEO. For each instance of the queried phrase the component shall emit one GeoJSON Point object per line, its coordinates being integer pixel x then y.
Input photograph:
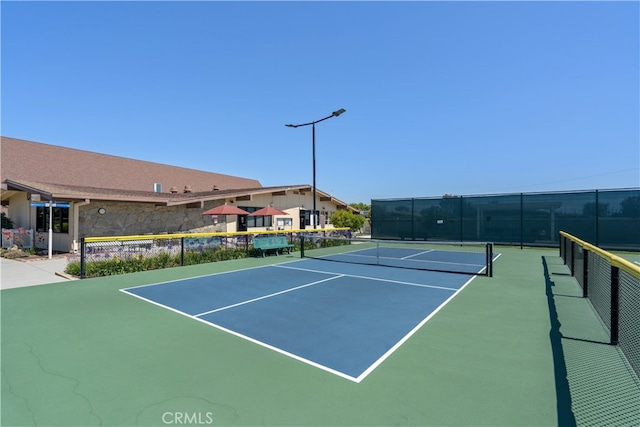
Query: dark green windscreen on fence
{"type": "Point", "coordinates": [608, 218]}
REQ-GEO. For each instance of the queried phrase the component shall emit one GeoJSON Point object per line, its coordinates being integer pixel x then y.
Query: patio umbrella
{"type": "Point", "coordinates": [268, 211]}
{"type": "Point", "coordinates": [225, 210]}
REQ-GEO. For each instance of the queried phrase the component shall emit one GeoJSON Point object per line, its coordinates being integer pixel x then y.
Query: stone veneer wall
{"type": "Point", "coordinates": [125, 219]}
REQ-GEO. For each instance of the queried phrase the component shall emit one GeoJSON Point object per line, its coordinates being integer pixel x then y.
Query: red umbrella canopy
{"type": "Point", "coordinates": [268, 211]}
{"type": "Point", "coordinates": [225, 210]}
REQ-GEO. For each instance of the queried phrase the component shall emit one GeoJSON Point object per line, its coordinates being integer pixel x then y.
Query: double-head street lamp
{"type": "Point", "coordinates": [313, 138]}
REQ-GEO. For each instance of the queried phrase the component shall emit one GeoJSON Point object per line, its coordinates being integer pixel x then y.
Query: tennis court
{"type": "Point", "coordinates": [283, 341]}
{"type": "Point", "coordinates": [345, 319]}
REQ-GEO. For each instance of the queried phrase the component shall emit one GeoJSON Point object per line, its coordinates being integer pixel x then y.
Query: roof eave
{"type": "Point", "coordinates": [17, 186]}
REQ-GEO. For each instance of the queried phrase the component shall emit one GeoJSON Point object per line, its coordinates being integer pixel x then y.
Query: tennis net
{"type": "Point", "coordinates": [461, 257]}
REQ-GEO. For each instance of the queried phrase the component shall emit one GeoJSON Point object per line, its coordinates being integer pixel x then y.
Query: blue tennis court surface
{"type": "Point", "coordinates": [343, 318]}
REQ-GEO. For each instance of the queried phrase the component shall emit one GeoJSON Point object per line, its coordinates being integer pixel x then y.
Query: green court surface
{"type": "Point", "coordinates": [518, 349]}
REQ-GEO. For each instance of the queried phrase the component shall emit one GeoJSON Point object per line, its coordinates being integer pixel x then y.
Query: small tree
{"type": "Point", "coordinates": [6, 222]}
{"type": "Point", "coordinates": [362, 207]}
{"type": "Point", "coordinates": [344, 218]}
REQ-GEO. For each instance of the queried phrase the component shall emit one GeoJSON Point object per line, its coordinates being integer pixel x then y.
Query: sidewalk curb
{"type": "Point", "coordinates": [66, 276]}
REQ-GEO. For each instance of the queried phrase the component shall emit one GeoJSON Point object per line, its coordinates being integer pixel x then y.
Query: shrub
{"type": "Point", "coordinates": [343, 218]}
{"type": "Point", "coordinates": [123, 265]}
{"type": "Point", "coordinates": [6, 221]}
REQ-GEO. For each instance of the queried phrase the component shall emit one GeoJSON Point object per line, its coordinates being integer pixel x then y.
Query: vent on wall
{"type": "Point", "coordinates": [157, 187]}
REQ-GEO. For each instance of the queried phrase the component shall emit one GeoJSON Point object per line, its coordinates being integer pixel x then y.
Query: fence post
{"type": "Point", "coordinates": [182, 251]}
{"type": "Point", "coordinates": [585, 273]}
{"type": "Point", "coordinates": [615, 292]}
{"type": "Point", "coordinates": [83, 262]}
{"type": "Point", "coordinates": [461, 220]}
{"type": "Point", "coordinates": [521, 221]}
{"type": "Point", "coordinates": [413, 216]}
{"type": "Point", "coordinates": [572, 260]}
{"type": "Point", "coordinates": [597, 219]}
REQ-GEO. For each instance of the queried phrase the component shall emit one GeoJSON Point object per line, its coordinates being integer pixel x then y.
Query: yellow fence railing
{"type": "Point", "coordinates": [204, 235]}
{"type": "Point", "coordinates": [614, 260]}
{"type": "Point", "coordinates": [612, 284]}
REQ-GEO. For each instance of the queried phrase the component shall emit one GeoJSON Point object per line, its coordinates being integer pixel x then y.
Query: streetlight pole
{"type": "Point", "coordinates": [313, 140]}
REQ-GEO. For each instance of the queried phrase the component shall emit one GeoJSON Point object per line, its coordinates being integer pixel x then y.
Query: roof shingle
{"type": "Point", "coordinates": [69, 174]}
{"type": "Point", "coordinates": [32, 161]}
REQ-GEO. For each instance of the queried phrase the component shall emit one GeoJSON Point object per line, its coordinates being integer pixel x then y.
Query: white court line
{"type": "Point", "coordinates": [419, 253]}
{"type": "Point", "coordinates": [389, 352]}
{"type": "Point", "coordinates": [154, 302]}
{"type": "Point", "coordinates": [420, 285]}
{"type": "Point", "coordinates": [418, 261]}
{"type": "Point", "coordinates": [253, 340]}
{"type": "Point", "coordinates": [267, 296]}
{"type": "Point", "coordinates": [430, 261]}
{"type": "Point", "coordinates": [362, 376]}
{"type": "Point", "coordinates": [195, 277]}
{"type": "Point", "coordinates": [278, 350]}
{"type": "Point", "coordinates": [205, 275]}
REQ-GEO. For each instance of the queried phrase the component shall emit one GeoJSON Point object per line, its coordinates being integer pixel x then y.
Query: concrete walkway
{"type": "Point", "coordinates": [16, 274]}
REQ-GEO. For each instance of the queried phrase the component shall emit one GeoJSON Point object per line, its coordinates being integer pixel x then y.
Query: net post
{"type": "Point", "coordinates": [83, 260]}
{"type": "Point", "coordinates": [489, 252]}
{"type": "Point", "coordinates": [302, 246]}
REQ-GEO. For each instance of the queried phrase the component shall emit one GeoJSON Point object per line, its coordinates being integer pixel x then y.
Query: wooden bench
{"type": "Point", "coordinates": [275, 243]}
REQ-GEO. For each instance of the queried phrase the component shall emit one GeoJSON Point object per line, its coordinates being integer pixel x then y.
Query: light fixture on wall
{"type": "Point", "coordinates": [102, 211]}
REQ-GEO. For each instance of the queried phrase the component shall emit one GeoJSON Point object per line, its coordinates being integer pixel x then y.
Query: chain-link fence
{"type": "Point", "coordinates": [612, 284]}
{"type": "Point", "coordinates": [100, 256]}
{"type": "Point", "coordinates": [609, 218]}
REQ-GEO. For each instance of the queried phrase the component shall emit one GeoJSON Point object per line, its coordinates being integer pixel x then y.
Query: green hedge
{"type": "Point", "coordinates": [118, 265]}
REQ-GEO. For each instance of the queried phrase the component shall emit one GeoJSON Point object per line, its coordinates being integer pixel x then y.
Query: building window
{"type": "Point", "coordinates": [60, 223]}
{"type": "Point", "coordinates": [257, 221]}
{"type": "Point", "coordinates": [284, 223]}
{"type": "Point", "coordinates": [327, 216]}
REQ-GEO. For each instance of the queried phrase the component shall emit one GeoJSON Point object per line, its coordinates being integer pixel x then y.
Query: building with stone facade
{"type": "Point", "coordinates": [102, 195]}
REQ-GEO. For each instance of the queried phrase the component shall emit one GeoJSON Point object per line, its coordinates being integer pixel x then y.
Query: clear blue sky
{"type": "Point", "coordinates": [441, 97]}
